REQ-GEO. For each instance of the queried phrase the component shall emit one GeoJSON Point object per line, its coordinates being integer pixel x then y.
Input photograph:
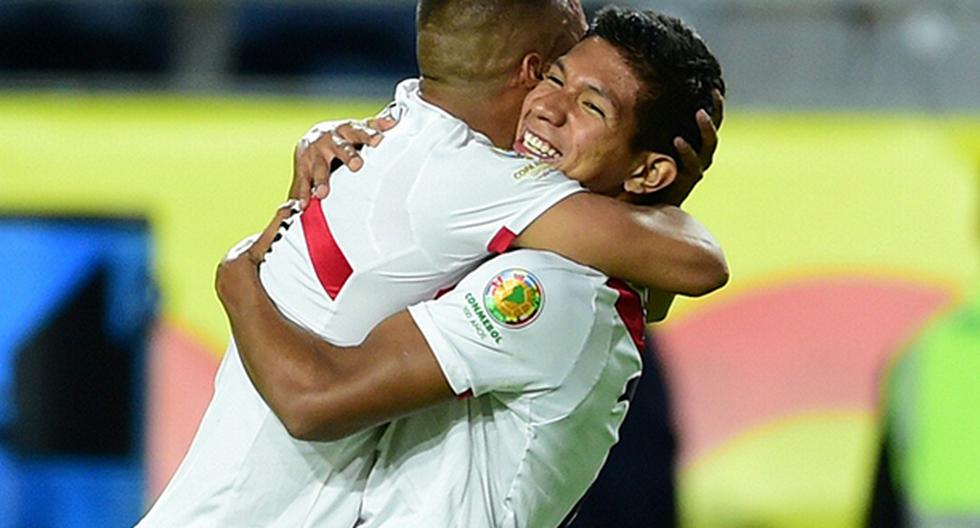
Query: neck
{"type": "Point", "coordinates": [488, 115]}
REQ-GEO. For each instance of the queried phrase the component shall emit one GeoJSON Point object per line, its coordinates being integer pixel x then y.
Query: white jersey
{"type": "Point", "coordinates": [546, 350]}
{"type": "Point", "coordinates": [431, 202]}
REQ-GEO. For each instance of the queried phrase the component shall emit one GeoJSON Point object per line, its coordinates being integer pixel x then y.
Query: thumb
{"type": "Point", "coordinates": [271, 232]}
{"type": "Point", "coordinates": [383, 123]}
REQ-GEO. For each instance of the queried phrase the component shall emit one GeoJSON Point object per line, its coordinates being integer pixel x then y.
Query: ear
{"type": "Point", "coordinates": [655, 171]}
{"type": "Point", "coordinates": [532, 68]}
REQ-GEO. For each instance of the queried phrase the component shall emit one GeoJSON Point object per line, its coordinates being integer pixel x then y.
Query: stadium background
{"type": "Point", "coordinates": [140, 140]}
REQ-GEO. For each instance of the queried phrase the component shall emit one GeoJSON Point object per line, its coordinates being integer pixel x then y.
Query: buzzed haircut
{"type": "Point", "coordinates": [677, 70]}
{"type": "Point", "coordinates": [474, 43]}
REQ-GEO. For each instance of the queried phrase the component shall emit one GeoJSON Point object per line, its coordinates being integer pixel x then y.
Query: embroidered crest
{"type": "Point", "coordinates": [514, 297]}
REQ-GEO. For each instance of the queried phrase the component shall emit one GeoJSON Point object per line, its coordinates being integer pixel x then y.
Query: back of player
{"type": "Point", "coordinates": [431, 202]}
{"type": "Point", "coordinates": [545, 349]}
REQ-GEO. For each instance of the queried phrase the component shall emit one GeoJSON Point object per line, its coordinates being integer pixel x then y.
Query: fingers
{"type": "Point", "coordinates": [360, 133]}
{"type": "Point", "coordinates": [320, 178]}
{"type": "Point", "coordinates": [718, 110]}
{"type": "Point", "coordinates": [690, 159]}
{"type": "Point", "coordinates": [271, 234]}
{"type": "Point", "coordinates": [334, 146]}
{"type": "Point", "coordinates": [709, 138]}
{"type": "Point", "coordinates": [382, 123]}
{"type": "Point", "coordinates": [343, 142]}
{"type": "Point", "coordinates": [302, 175]}
{"type": "Point", "coordinates": [312, 162]}
{"type": "Point", "coordinates": [323, 152]}
{"type": "Point", "coordinates": [687, 178]}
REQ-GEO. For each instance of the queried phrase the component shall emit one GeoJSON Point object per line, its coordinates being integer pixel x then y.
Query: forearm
{"type": "Point", "coordinates": [680, 254]}
{"type": "Point", "coordinates": [662, 248]}
{"type": "Point", "coordinates": [325, 392]}
{"type": "Point", "coordinates": [320, 391]}
{"type": "Point", "coordinates": [286, 363]}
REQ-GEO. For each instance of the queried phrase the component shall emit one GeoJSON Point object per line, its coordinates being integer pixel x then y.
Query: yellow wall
{"type": "Point", "coordinates": [799, 195]}
{"type": "Point", "coordinates": [205, 171]}
{"type": "Point", "coordinates": [789, 194]}
{"type": "Point", "coordinates": [790, 197]}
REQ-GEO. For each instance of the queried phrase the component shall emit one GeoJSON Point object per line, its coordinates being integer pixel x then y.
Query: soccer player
{"type": "Point", "coordinates": [541, 349]}
{"type": "Point", "coordinates": [431, 202]}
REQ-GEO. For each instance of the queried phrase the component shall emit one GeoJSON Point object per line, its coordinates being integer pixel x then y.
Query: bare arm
{"type": "Point", "coordinates": [320, 391]}
{"type": "Point", "coordinates": [660, 247]}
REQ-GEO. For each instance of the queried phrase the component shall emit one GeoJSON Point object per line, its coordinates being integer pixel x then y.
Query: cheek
{"type": "Point", "coordinates": [596, 146]}
{"type": "Point", "coordinates": [588, 141]}
{"type": "Point", "coordinates": [603, 164]}
{"type": "Point", "coordinates": [591, 166]}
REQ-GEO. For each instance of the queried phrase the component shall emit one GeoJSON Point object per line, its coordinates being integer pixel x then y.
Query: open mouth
{"type": "Point", "coordinates": [536, 147]}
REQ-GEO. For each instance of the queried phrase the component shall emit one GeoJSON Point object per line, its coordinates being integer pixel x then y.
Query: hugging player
{"type": "Point", "coordinates": [329, 283]}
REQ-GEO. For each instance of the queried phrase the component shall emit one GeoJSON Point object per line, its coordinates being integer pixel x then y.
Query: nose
{"type": "Point", "coordinates": [551, 107]}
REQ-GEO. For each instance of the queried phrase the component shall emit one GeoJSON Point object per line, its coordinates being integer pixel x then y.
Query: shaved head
{"type": "Point", "coordinates": [477, 45]}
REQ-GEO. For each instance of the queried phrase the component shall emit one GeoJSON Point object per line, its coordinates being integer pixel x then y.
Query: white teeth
{"type": "Point", "coordinates": [538, 146]}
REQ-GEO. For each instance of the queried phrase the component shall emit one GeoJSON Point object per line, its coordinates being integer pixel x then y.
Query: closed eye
{"type": "Point", "coordinates": [595, 109]}
{"type": "Point", "coordinates": [554, 79]}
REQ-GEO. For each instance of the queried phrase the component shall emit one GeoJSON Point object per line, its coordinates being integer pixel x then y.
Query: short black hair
{"type": "Point", "coordinates": [677, 70]}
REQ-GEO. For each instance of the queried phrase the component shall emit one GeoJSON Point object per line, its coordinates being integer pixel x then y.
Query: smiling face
{"type": "Point", "coordinates": [581, 118]}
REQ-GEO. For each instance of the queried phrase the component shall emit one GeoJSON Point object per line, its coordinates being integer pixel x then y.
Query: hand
{"type": "Point", "coordinates": [240, 268]}
{"type": "Point", "coordinates": [313, 159]}
{"type": "Point", "coordinates": [695, 164]}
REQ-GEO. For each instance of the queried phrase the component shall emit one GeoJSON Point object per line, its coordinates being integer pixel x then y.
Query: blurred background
{"type": "Point", "coordinates": [832, 383]}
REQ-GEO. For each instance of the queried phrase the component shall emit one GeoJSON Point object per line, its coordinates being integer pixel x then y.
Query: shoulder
{"type": "Point", "coordinates": [524, 285]}
{"type": "Point", "coordinates": [518, 322]}
{"type": "Point", "coordinates": [544, 263]}
{"type": "Point", "coordinates": [462, 148]}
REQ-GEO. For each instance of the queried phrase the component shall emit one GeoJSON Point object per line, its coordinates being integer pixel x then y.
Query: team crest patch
{"type": "Point", "coordinates": [514, 297]}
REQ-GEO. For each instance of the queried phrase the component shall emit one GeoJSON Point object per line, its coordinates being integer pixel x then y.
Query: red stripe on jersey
{"type": "Point", "coordinates": [444, 291]}
{"type": "Point", "coordinates": [501, 241]}
{"type": "Point", "coordinates": [465, 395]}
{"type": "Point", "coordinates": [329, 262]}
{"type": "Point", "coordinates": [630, 310]}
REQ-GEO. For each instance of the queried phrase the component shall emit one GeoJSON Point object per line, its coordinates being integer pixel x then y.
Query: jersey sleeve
{"type": "Point", "coordinates": [510, 326]}
{"type": "Point", "coordinates": [482, 198]}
